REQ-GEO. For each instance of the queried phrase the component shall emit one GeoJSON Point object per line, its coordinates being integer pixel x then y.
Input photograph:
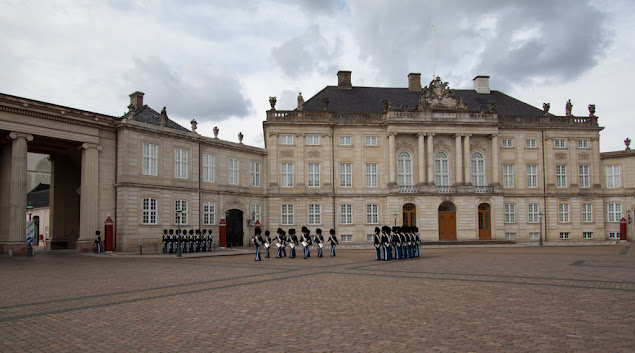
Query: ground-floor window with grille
{"type": "Point", "coordinates": [564, 235]}
{"type": "Point", "coordinates": [347, 237]}
{"type": "Point", "coordinates": [587, 235]}
{"type": "Point", "coordinates": [614, 235]}
{"type": "Point", "coordinates": [510, 236]}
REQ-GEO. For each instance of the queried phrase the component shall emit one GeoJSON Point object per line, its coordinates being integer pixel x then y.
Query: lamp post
{"type": "Point", "coordinates": [29, 248]}
{"type": "Point", "coordinates": [395, 214]}
{"type": "Point", "coordinates": [178, 225]}
{"type": "Point", "coordinates": [540, 239]}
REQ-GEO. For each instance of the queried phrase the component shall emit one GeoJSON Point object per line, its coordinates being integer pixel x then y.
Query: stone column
{"type": "Point", "coordinates": [550, 166]}
{"type": "Point", "coordinates": [573, 162]}
{"type": "Point", "coordinates": [299, 165]}
{"type": "Point", "coordinates": [494, 163]}
{"type": "Point", "coordinates": [391, 156]}
{"type": "Point", "coordinates": [272, 154]}
{"type": "Point", "coordinates": [430, 148]}
{"type": "Point", "coordinates": [458, 175]}
{"type": "Point", "coordinates": [89, 197]}
{"type": "Point", "coordinates": [596, 164]}
{"type": "Point", "coordinates": [421, 159]}
{"type": "Point", "coordinates": [467, 165]}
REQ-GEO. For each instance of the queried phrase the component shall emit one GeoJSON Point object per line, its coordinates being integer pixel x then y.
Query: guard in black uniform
{"type": "Point", "coordinates": [377, 243]}
{"type": "Point", "coordinates": [279, 243]}
{"type": "Point", "coordinates": [204, 240]}
{"type": "Point", "coordinates": [385, 240]}
{"type": "Point", "coordinates": [258, 242]}
{"type": "Point", "coordinates": [319, 241]}
{"type": "Point", "coordinates": [417, 241]}
{"type": "Point", "coordinates": [210, 240]}
{"type": "Point", "coordinates": [306, 239]}
{"type": "Point", "coordinates": [171, 241]}
{"type": "Point", "coordinates": [267, 242]}
{"type": "Point", "coordinates": [165, 241]}
{"type": "Point", "coordinates": [190, 239]}
{"type": "Point", "coordinates": [293, 242]}
{"type": "Point", "coordinates": [395, 245]}
{"type": "Point", "coordinates": [333, 240]}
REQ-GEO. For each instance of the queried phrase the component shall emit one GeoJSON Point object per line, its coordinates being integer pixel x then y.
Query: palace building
{"type": "Point", "coordinates": [461, 164]}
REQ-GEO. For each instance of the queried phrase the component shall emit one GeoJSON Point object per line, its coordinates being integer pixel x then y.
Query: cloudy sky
{"type": "Point", "coordinates": [219, 61]}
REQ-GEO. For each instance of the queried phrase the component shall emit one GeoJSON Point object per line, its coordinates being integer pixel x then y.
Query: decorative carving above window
{"type": "Point", "coordinates": [440, 145]}
{"type": "Point", "coordinates": [313, 153]}
{"type": "Point", "coordinates": [584, 156]}
{"type": "Point", "coordinates": [561, 156]}
{"type": "Point", "coordinates": [286, 153]}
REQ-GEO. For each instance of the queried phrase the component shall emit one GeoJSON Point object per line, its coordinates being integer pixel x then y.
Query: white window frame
{"type": "Point", "coordinates": [584, 176]}
{"type": "Point", "coordinates": [346, 140]}
{"type": "Point", "coordinates": [209, 168]}
{"type": "Point", "coordinates": [313, 173]}
{"type": "Point", "coordinates": [183, 205]}
{"type": "Point", "coordinates": [346, 214]}
{"type": "Point", "coordinates": [149, 210]}
{"type": "Point", "coordinates": [583, 143]}
{"type": "Point", "coordinates": [561, 176]}
{"type": "Point", "coordinates": [372, 214]}
{"type": "Point", "coordinates": [507, 143]}
{"type": "Point", "coordinates": [346, 175]}
{"type": "Point", "coordinates": [614, 235]}
{"type": "Point", "coordinates": [563, 213]}
{"type": "Point", "coordinates": [371, 175]}
{"type": "Point", "coordinates": [613, 176]}
{"type": "Point", "coordinates": [510, 213]}
{"type": "Point", "coordinates": [286, 175]}
{"type": "Point", "coordinates": [587, 212]}
{"type": "Point", "coordinates": [478, 169]}
{"type": "Point", "coordinates": [531, 143]}
{"type": "Point", "coordinates": [565, 235]}
{"type": "Point", "coordinates": [256, 211]}
{"type": "Point", "coordinates": [613, 212]}
{"type": "Point", "coordinates": [560, 143]}
{"type": "Point", "coordinates": [150, 158]}
{"type": "Point", "coordinates": [510, 236]}
{"type": "Point", "coordinates": [180, 163]}
{"type": "Point", "coordinates": [532, 176]}
{"type": "Point", "coordinates": [534, 235]}
{"type": "Point", "coordinates": [533, 213]}
{"type": "Point", "coordinates": [315, 214]}
{"type": "Point", "coordinates": [404, 169]}
{"type": "Point", "coordinates": [441, 169]}
{"type": "Point", "coordinates": [286, 214]}
{"type": "Point", "coordinates": [255, 174]}
{"type": "Point", "coordinates": [233, 171]}
{"type": "Point", "coordinates": [209, 213]}
{"type": "Point", "coordinates": [508, 176]}
{"type": "Point", "coordinates": [313, 140]}
{"type": "Point", "coordinates": [286, 139]}
{"type": "Point", "coordinates": [347, 238]}
{"type": "Point", "coordinates": [370, 140]}
{"type": "Point", "coordinates": [587, 235]}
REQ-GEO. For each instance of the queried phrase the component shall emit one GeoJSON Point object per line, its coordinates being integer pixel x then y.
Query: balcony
{"type": "Point", "coordinates": [407, 189]}
{"type": "Point", "coordinates": [484, 189]}
{"type": "Point", "coordinates": [446, 189]}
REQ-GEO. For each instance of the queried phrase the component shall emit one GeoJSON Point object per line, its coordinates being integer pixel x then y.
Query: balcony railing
{"type": "Point", "coordinates": [484, 189]}
{"type": "Point", "coordinates": [407, 189]}
{"type": "Point", "coordinates": [446, 189]}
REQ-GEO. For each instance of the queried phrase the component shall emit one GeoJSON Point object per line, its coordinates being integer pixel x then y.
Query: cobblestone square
{"type": "Point", "coordinates": [478, 299]}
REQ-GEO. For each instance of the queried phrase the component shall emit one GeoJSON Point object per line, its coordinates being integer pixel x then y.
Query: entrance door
{"type": "Point", "coordinates": [36, 234]}
{"type": "Point", "coordinates": [447, 221]}
{"type": "Point", "coordinates": [484, 222]}
{"type": "Point", "coordinates": [234, 228]}
{"type": "Point", "coordinates": [409, 215]}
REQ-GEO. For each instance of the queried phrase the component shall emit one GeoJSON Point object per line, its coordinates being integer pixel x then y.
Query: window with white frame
{"type": "Point", "coordinates": [345, 141]}
{"type": "Point", "coordinates": [532, 175]}
{"type": "Point", "coordinates": [150, 151]}
{"type": "Point", "coordinates": [286, 216]}
{"type": "Point", "coordinates": [560, 143]}
{"type": "Point", "coordinates": [614, 235]}
{"type": "Point", "coordinates": [587, 212]}
{"type": "Point", "coordinates": [371, 175]}
{"type": "Point", "coordinates": [255, 174]}
{"type": "Point", "coordinates": [510, 236]}
{"type": "Point", "coordinates": [346, 214]}
{"type": "Point", "coordinates": [346, 174]}
{"type": "Point", "coordinates": [478, 169]}
{"type": "Point", "coordinates": [180, 205]}
{"type": "Point", "coordinates": [614, 212]}
{"type": "Point", "coordinates": [370, 238]}
{"type": "Point", "coordinates": [286, 175]}
{"type": "Point", "coordinates": [149, 214]}
{"type": "Point", "coordinates": [508, 175]}
{"type": "Point", "coordinates": [209, 167]}
{"type": "Point", "coordinates": [372, 214]}
{"type": "Point", "coordinates": [232, 171]}
{"type": "Point", "coordinates": [585, 179]}
{"type": "Point", "coordinates": [534, 235]}
{"type": "Point", "coordinates": [180, 163]}
{"type": "Point", "coordinates": [370, 140]}
{"type": "Point", "coordinates": [507, 143]}
{"type": "Point", "coordinates": [510, 213]}
{"type": "Point", "coordinates": [255, 211]}
{"type": "Point", "coordinates": [313, 139]}
{"type": "Point", "coordinates": [530, 143]}
{"type": "Point", "coordinates": [441, 169]}
{"type": "Point", "coordinates": [313, 171]}
{"type": "Point", "coordinates": [404, 169]}
{"type": "Point", "coordinates": [583, 143]}
{"type": "Point", "coordinates": [565, 235]}
{"type": "Point", "coordinates": [561, 176]}
{"type": "Point", "coordinates": [563, 213]}
{"type": "Point", "coordinates": [209, 213]}
{"type": "Point", "coordinates": [533, 215]}
{"type": "Point", "coordinates": [315, 214]}
{"type": "Point", "coordinates": [286, 139]}
{"type": "Point", "coordinates": [613, 176]}
{"type": "Point", "coordinates": [587, 235]}
{"type": "Point", "coordinates": [347, 238]}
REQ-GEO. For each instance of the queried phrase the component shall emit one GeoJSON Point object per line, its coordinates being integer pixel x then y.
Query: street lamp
{"type": "Point", "coordinates": [540, 239]}
{"type": "Point", "coordinates": [178, 227]}
{"type": "Point", "coordinates": [395, 214]}
{"type": "Point", "coordinates": [29, 248]}
{"type": "Point", "coordinates": [29, 210]}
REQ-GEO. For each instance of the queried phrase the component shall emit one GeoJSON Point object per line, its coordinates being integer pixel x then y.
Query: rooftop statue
{"type": "Point", "coordinates": [568, 108]}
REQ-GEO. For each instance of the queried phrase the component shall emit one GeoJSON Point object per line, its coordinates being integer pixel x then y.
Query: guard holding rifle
{"type": "Point", "coordinates": [165, 241]}
{"type": "Point", "coordinates": [258, 242]}
{"type": "Point", "coordinates": [319, 241]}
{"type": "Point", "coordinates": [333, 240]}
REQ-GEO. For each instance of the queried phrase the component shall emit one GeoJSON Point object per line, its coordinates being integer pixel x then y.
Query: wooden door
{"type": "Point", "coordinates": [234, 228]}
{"type": "Point", "coordinates": [447, 225]}
{"type": "Point", "coordinates": [409, 215]}
{"type": "Point", "coordinates": [484, 222]}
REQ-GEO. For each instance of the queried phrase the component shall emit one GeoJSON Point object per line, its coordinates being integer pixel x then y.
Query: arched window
{"type": "Point", "coordinates": [478, 169]}
{"type": "Point", "coordinates": [441, 170]}
{"type": "Point", "coordinates": [404, 169]}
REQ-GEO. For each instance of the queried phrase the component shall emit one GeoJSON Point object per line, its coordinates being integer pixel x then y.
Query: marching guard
{"type": "Point", "coordinates": [395, 245]}
{"type": "Point", "coordinates": [306, 241]}
{"type": "Point", "coordinates": [258, 242]}
{"type": "Point", "coordinates": [333, 240]}
{"type": "Point", "coordinates": [204, 240]}
{"type": "Point", "coordinates": [417, 241]}
{"type": "Point", "coordinates": [165, 241]}
{"type": "Point", "coordinates": [411, 243]}
{"type": "Point", "coordinates": [280, 243]}
{"type": "Point", "coordinates": [293, 241]}
{"type": "Point", "coordinates": [385, 240]}
{"type": "Point", "coordinates": [267, 242]}
{"type": "Point", "coordinates": [210, 240]}
{"type": "Point", "coordinates": [180, 242]}
{"type": "Point", "coordinates": [319, 241]}
{"type": "Point", "coordinates": [404, 243]}
{"type": "Point", "coordinates": [171, 241]}
{"type": "Point", "coordinates": [190, 240]}
{"type": "Point", "coordinates": [377, 243]}
{"type": "Point", "coordinates": [197, 238]}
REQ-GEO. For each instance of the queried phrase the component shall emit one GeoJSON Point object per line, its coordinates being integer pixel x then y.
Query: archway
{"type": "Point", "coordinates": [447, 221]}
{"type": "Point", "coordinates": [234, 227]}
{"type": "Point", "coordinates": [409, 212]}
{"type": "Point", "coordinates": [484, 221]}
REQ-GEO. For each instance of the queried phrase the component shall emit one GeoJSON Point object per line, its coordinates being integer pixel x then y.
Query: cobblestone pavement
{"type": "Point", "coordinates": [555, 299]}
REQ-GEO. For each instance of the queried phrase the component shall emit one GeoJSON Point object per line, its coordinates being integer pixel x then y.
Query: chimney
{"type": "Point", "coordinates": [481, 84]}
{"type": "Point", "coordinates": [414, 82]}
{"type": "Point", "coordinates": [344, 80]}
{"type": "Point", "coordinates": [136, 100]}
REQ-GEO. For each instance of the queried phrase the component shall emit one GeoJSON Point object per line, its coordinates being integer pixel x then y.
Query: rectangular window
{"type": "Point", "coordinates": [209, 168]}
{"type": "Point", "coordinates": [530, 143]}
{"type": "Point", "coordinates": [345, 141]}
{"type": "Point", "coordinates": [370, 237]}
{"type": "Point", "coordinates": [587, 235]}
{"type": "Point", "coordinates": [346, 214]}
{"type": "Point", "coordinates": [346, 174]}
{"type": "Point", "coordinates": [371, 140]}
{"type": "Point", "coordinates": [149, 211]}
{"type": "Point", "coordinates": [532, 213]}
{"type": "Point", "coordinates": [561, 176]}
{"type": "Point", "coordinates": [614, 211]}
{"type": "Point", "coordinates": [255, 212]}
{"type": "Point", "coordinates": [255, 174]}
{"type": "Point", "coordinates": [180, 205]}
{"type": "Point", "coordinates": [613, 176]}
{"type": "Point", "coordinates": [371, 175]}
{"type": "Point", "coordinates": [315, 214]}
{"type": "Point", "coordinates": [532, 175]}
{"type": "Point", "coordinates": [209, 213]}
{"type": "Point", "coordinates": [564, 235]}
{"type": "Point", "coordinates": [583, 143]}
{"type": "Point", "coordinates": [313, 140]}
{"type": "Point", "coordinates": [286, 215]}
{"type": "Point", "coordinates": [150, 158]}
{"type": "Point", "coordinates": [510, 236]}
{"type": "Point", "coordinates": [313, 170]}
{"type": "Point", "coordinates": [508, 176]}
{"type": "Point", "coordinates": [507, 143]}
{"type": "Point", "coordinates": [232, 171]}
{"type": "Point", "coordinates": [372, 214]}
{"type": "Point", "coordinates": [534, 235]}
{"type": "Point", "coordinates": [347, 238]}
{"type": "Point", "coordinates": [587, 212]}
{"type": "Point", "coordinates": [563, 213]}
{"type": "Point", "coordinates": [286, 175]}
{"type": "Point", "coordinates": [180, 163]}
{"type": "Point", "coordinates": [614, 235]}
{"type": "Point", "coordinates": [286, 139]}
{"type": "Point", "coordinates": [510, 213]}
{"type": "Point", "coordinates": [560, 143]}
{"type": "Point", "coordinates": [584, 176]}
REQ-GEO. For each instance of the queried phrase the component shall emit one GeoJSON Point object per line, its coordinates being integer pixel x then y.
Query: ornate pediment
{"type": "Point", "coordinates": [403, 145]}
{"type": "Point", "coordinates": [438, 95]}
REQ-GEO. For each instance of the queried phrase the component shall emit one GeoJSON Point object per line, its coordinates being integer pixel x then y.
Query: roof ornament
{"type": "Point", "coordinates": [272, 101]}
{"type": "Point", "coordinates": [627, 142]}
{"type": "Point", "coordinates": [215, 130]}
{"type": "Point", "coordinates": [300, 101]}
{"type": "Point", "coordinates": [240, 137]}
{"type": "Point", "coordinates": [164, 117]}
{"type": "Point", "coordinates": [438, 87]}
{"type": "Point", "coordinates": [325, 103]}
{"type": "Point", "coordinates": [461, 105]}
{"type": "Point", "coordinates": [491, 107]}
{"type": "Point", "coordinates": [386, 104]}
{"type": "Point", "coordinates": [568, 107]}
{"type": "Point", "coordinates": [545, 108]}
{"type": "Point", "coordinates": [194, 124]}
{"type": "Point", "coordinates": [591, 110]}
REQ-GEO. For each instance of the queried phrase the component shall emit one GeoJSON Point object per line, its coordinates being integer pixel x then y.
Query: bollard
{"type": "Point", "coordinates": [140, 249]}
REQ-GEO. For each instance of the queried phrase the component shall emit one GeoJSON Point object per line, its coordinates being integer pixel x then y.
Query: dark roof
{"type": "Point", "coordinates": [39, 196]}
{"type": "Point", "coordinates": [148, 115]}
{"type": "Point", "coordinates": [368, 100]}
